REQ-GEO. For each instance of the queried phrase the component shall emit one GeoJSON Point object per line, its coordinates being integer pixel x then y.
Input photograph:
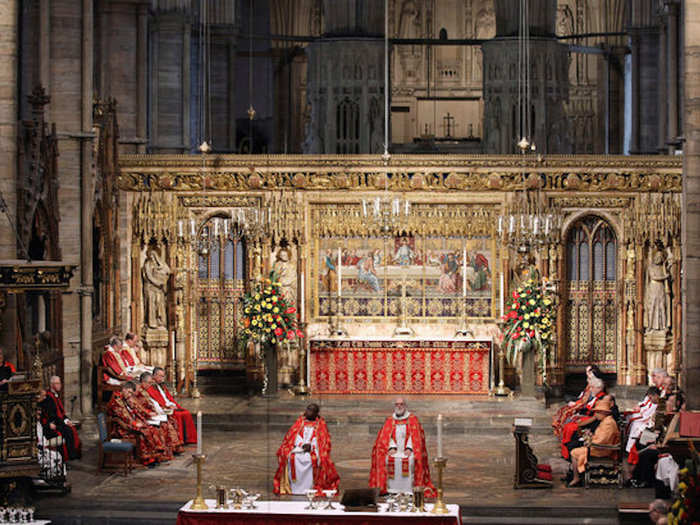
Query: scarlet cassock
{"type": "Point", "coordinates": [160, 393]}
{"type": "Point", "coordinates": [406, 466]}
{"type": "Point", "coordinates": [299, 471]}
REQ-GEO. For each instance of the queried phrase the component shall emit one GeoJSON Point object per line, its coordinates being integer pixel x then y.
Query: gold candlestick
{"type": "Point", "coordinates": [301, 389]}
{"type": "Point", "coordinates": [198, 502]}
{"type": "Point", "coordinates": [502, 390]}
{"type": "Point", "coordinates": [440, 507]}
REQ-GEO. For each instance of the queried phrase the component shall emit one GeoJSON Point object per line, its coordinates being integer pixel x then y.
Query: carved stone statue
{"type": "Point", "coordinates": [657, 296]}
{"type": "Point", "coordinates": [286, 273]}
{"type": "Point", "coordinates": [155, 274]}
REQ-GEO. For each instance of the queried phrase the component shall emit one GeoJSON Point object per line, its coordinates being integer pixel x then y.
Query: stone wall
{"type": "Point", "coordinates": [691, 207]}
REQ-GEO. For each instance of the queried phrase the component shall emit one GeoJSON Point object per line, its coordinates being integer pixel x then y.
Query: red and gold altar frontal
{"type": "Point", "coordinates": [614, 263]}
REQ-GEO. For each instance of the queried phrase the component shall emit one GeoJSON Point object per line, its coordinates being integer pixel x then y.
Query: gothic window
{"type": "Point", "coordinates": [591, 302]}
{"type": "Point", "coordinates": [221, 272]}
{"type": "Point", "coordinates": [347, 123]}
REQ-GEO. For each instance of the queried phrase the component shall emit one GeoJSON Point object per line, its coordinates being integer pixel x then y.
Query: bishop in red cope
{"type": "Point", "coordinates": [159, 391]}
{"type": "Point", "coordinates": [399, 456]}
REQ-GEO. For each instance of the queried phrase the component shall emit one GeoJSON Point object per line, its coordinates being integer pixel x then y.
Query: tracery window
{"type": "Point", "coordinates": [347, 117]}
{"type": "Point", "coordinates": [591, 296]}
{"type": "Point", "coordinates": [221, 272]}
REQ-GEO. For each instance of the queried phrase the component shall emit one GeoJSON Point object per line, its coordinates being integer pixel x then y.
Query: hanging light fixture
{"type": "Point", "coordinates": [385, 212]}
{"type": "Point", "coordinates": [527, 221]}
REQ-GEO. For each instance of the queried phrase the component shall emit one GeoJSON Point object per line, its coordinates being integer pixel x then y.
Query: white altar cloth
{"type": "Point", "coordinates": [297, 507]}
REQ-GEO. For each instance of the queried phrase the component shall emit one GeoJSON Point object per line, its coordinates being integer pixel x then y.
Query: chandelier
{"type": "Point", "coordinates": [249, 223]}
{"type": "Point", "coordinates": [525, 223]}
{"type": "Point", "coordinates": [386, 213]}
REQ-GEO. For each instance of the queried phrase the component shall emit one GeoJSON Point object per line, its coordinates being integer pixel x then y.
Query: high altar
{"type": "Point", "coordinates": [614, 264]}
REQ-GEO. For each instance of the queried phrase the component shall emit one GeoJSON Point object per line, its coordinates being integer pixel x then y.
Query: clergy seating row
{"type": "Point", "coordinates": [113, 455]}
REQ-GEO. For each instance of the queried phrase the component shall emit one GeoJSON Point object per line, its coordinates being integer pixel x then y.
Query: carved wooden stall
{"type": "Point", "coordinates": [620, 216]}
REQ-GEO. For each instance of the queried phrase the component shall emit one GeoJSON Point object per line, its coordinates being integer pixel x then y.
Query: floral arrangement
{"type": "Point", "coordinates": [684, 509]}
{"type": "Point", "coordinates": [267, 315]}
{"type": "Point", "coordinates": [528, 320]}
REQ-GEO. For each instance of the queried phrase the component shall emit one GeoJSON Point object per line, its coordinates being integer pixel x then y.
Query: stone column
{"type": "Point", "coordinates": [662, 81]}
{"type": "Point", "coordinates": [672, 69]}
{"type": "Point", "coordinates": [634, 135]}
{"type": "Point", "coordinates": [86, 207]}
{"type": "Point", "coordinates": [8, 149]}
{"type": "Point", "coordinates": [44, 45]}
{"type": "Point", "coordinates": [141, 73]}
{"type": "Point", "coordinates": [690, 215]}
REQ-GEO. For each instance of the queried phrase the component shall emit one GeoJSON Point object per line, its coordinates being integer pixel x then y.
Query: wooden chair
{"type": "Point", "coordinates": [605, 470]}
{"type": "Point", "coordinates": [113, 455]}
{"type": "Point", "coordinates": [103, 386]}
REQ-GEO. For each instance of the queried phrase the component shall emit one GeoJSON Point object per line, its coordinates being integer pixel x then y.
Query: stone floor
{"type": "Point", "coordinates": [241, 437]}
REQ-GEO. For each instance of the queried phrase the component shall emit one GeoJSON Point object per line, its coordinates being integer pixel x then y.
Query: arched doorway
{"type": "Point", "coordinates": [590, 295]}
{"type": "Point", "coordinates": [221, 273]}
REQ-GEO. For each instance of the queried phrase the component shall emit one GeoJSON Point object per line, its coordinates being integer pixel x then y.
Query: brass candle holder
{"type": "Point", "coordinates": [439, 507]}
{"type": "Point", "coordinates": [301, 389]}
{"type": "Point", "coordinates": [501, 390]}
{"type": "Point", "coordinates": [198, 502]}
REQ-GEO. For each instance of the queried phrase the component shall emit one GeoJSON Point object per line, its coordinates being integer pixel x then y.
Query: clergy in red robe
{"type": "Point", "coordinates": [305, 456]}
{"type": "Point", "coordinates": [584, 417]}
{"type": "Point", "coordinates": [55, 421]}
{"type": "Point", "coordinates": [127, 423]}
{"type": "Point", "coordinates": [130, 355]}
{"type": "Point", "coordinates": [399, 456]}
{"type": "Point", "coordinates": [7, 369]}
{"type": "Point", "coordinates": [159, 391]}
{"type": "Point", "coordinates": [116, 371]}
{"type": "Point", "coordinates": [167, 421]}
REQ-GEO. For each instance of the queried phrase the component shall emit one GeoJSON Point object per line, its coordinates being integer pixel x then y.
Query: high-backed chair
{"type": "Point", "coordinates": [113, 455]}
{"type": "Point", "coordinates": [606, 470]}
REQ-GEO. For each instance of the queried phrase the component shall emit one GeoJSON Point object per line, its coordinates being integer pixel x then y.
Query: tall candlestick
{"type": "Point", "coordinates": [464, 272]}
{"type": "Point", "coordinates": [502, 293]}
{"type": "Point", "coordinates": [340, 273]}
{"type": "Point", "coordinates": [199, 432]}
{"type": "Point", "coordinates": [301, 299]}
{"type": "Point", "coordinates": [439, 435]}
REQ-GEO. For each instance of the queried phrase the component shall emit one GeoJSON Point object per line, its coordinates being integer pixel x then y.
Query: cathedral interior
{"type": "Point", "coordinates": [401, 169]}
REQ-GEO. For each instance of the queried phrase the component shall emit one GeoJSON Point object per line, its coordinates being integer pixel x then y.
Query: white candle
{"type": "Point", "coordinates": [172, 348]}
{"type": "Point", "coordinates": [502, 293]}
{"type": "Point", "coordinates": [199, 432]}
{"type": "Point", "coordinates": [179, 229]}
{"type": "Point", "coordinates": [464, 272]}
{"type": "Point", "coordinates": [340, 273]}
{"type": "Point", "coordinates": [301, 298]}
{"type": "Point", "coordinates": [192, 231]}
{"type": "Point", "coordinates": [439, 435]}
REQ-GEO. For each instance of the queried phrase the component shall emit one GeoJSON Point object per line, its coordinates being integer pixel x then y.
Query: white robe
{"type": "Point", "coordinates": [302, 461]}
{"type": "Point", "coordinates": [640, 420]}
{"type": "Point", "coordinates": [400, 482]}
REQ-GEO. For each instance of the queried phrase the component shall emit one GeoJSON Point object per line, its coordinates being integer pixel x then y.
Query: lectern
{"type": "Point", "coordinates": [525, 459]}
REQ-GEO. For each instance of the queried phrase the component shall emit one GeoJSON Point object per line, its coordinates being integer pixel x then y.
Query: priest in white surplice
{"type": "Point", "coordinates": [399, 456]}
{"type": "Point", "coordinates": [305, 456]}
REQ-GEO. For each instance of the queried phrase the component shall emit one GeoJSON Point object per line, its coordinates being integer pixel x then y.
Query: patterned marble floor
{"type": "Point", "coordinates": [241, 438]}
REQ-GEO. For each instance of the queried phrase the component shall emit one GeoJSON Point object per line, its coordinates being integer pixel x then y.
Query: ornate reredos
{"type": "Point", "coordinates": [438, 173]}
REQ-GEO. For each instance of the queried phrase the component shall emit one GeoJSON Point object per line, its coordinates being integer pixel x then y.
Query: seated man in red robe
{"type": "Point", "coordinates": [7, 369]}
{"type": "Point", "coordinates": [158, 415]}
{"type": "Point", "coordinates": [159, 391]}
{"type": "Point", "coordinates": [130, 355]}
{"type": "Point", "coordinates": [55, 420]}
{"type": "Point", "coordinates": [127, 423]}
{"type": "Point", "coordinates": [399, 456]}
{"type": "Point", "coordinates": [116, 371]}
{"type": "Point", "coordinates": [305, 456]}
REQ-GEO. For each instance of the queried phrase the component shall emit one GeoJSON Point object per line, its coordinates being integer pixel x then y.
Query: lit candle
{"type": "Point", "coordinates": [192, 231]}
{"type": "Point", "coordinates": [199, 432]}
{"type": "Point", "coordinates": [172, 348]}
{"type": "Point", "coordinates": [301, 298]}
{"type": "Point", "coordinates": [340, 273]}
{"type": "Point", "coordinates": [502, 293]}
{"type": "Point", "coordinates": [439, 435]}
{"type": "Point", "coordinates": [179, 229]}
{"type": "Point", "coordinates": [464, 272]}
